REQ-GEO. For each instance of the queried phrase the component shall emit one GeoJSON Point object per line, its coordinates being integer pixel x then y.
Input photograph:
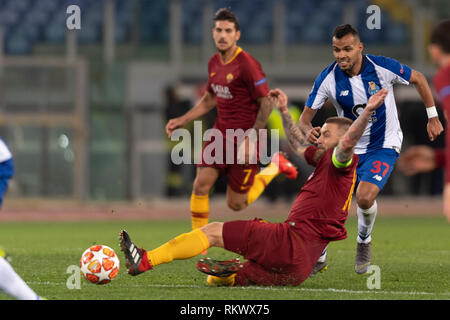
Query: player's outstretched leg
{"type": "Point", "coordinates": [321, 264]}
{"type": "Point", "coordinates": [279, 164]}
{"type": "Point", "coordinates": [13, 285]}
{"type": "Point", "coordinates": [5, 255]}
{"type": "Point", "coordinates": [184, 246]}
{"type": "Point", "coordinates": [366, 220]}
{"type": "Point", "coordinates": [137, 261]}
{"type": "Point", "coordinates": [363, 257]}
{"type": "Point", "coordinates": [220, 273]}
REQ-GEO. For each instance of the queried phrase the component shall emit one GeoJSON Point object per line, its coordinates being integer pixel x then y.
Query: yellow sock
{"type": "Point", "coordinates": [221, 281]}
{"type": "Point", "coordinates": [199, 211]}
{"type": "Point", "coordinates": [262, 179]}
{"type": "Point", "coordinates": [185, 246]}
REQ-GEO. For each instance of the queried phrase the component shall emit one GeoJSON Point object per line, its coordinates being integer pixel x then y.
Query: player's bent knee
{"type": "Point", "coordinates": [213, 232]}
{"type": "Point", "coordinates": [364, 201]}
{"type": "Point", "coordinates": [366, 195]}
{"type": "Point", "coordinates": [200, 188]}
{"type": "Point", "coordinates": [236, 205]}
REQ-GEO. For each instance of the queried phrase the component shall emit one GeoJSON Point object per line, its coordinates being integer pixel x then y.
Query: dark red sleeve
{"type": "Point", "coordinates": [441, 83]}
{"type": "Point", "coordinates": [309, 155]}
{"type": "Point", "coordinates": [446, 102]}
{"type": "Point", "coordinates": [255, 78]}
{"type": "Point", "coordinates": [440, 158]}
{"type": "Point", "coordinates": [442, 86]}
{"type": "Point", "coordinates": [446, 159]}
{"type": "Point", "coordinates": [208, 85]}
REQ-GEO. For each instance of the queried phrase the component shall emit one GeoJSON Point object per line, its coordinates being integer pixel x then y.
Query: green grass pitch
{"type": "Point", "coordinates": [413, 255]}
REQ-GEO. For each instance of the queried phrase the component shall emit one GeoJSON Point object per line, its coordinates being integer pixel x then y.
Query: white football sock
{"type": "Point", "coordinates": [13, 285]}
{"type": "Point", "coordinates": [366, 220]}
{"type": "Point", "coordinates": [323, 256]}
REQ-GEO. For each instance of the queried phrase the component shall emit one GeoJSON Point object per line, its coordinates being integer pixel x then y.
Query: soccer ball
{"type": "Point", "coordinates": [99, 264]}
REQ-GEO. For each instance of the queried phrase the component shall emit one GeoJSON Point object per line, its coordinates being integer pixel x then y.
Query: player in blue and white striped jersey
{"type": "Point", "coordinates": [6, 168]}
{"type": "Point", "coordinates": [10, 282]}
{"type": "Point", "coordinates": [348, 83]}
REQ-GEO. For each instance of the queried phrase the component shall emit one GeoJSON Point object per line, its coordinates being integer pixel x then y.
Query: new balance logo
{"type": "Point", "coordinates": [377, 177]}
{"type": "Point", "coordinates": [344, 93]}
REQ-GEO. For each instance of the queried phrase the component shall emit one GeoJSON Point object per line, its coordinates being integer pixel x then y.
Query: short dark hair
{"type": "Point", "coordinates": [441, 35]}
{"type": "Point", "coordinates": [342, 122]}
{"type": "Point", "coordinates": [225, 14]}
{"type": "Point", "coordinates": [343, 30]}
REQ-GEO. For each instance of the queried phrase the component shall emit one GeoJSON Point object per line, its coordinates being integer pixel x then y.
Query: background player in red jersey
{"type": "Point", "coordinates": [238, 87]}
{"type": "Point", "coordinates": [423, 158]}
{"type": "Point", "coordinates": [278, 253]}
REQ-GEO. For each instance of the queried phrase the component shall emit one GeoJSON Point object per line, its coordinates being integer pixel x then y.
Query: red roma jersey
{"type": "Point", "coordinates": [237, 85]}
{"type": "Point", "coordinates": [321, 207]}
{"type": "Point", "coordinates": [442, 85]}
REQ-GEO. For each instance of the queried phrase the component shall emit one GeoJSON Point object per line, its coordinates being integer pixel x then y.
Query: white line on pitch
{"type": "Point", "coordinates": [332, 290]}
{"type": "Point", "coordinates": [308, 289]}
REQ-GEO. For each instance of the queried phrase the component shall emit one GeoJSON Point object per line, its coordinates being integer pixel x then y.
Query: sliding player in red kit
{"type": "Point", "coordinates": [278, 253]}
{"type": "Point", "coordinates": [237, 85]}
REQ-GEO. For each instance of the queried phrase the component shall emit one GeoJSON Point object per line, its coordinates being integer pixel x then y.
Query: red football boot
{"type": "Point", "coordinates": [137, 260]}
{"type": "Point", "coordinates": [284, 165]}
{"type": "Point", "coordinates": [219, 268]}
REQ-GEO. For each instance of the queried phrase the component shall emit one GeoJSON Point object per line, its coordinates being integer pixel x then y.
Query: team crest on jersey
{"type": "Point", "coordinates": [212, 74]}
{"type": "Point", "coordinates": [373, 88]}
{"type": "Point", "coordinates": [229, 77]}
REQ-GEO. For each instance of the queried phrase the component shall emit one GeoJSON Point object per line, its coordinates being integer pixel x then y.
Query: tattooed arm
{"type": "Point", "coordinates": [297, 140]}
{"type": "Point", "coordinates": [265, 108]}
{"type": "Point", "coordinates": [344, 149]}
{"type": "Point", "coordinates": [247, 149]}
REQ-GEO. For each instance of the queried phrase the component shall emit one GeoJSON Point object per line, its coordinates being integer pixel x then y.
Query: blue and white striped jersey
{"type": "Point", "coordinates": [5, 154]}
{"type": "Point", "coordinates": [349, 96]}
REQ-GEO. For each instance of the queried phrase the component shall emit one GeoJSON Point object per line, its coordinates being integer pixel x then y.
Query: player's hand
{"type": "Point", "coordinates": [417, 159]}
{"type": "Point", "coordinates": [174, 124]}
{"type": "Point", "coordinates": [434, 128]}
{"type": "Point", "coordinates": [312, 135]}
{"type": "Point", "coordinates": [376, 100]}
{"type": "Point", "coordinates": [280, 99]}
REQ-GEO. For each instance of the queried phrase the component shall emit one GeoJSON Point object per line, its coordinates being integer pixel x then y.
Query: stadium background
{"type": "Point", "coordinates": [84, 111]}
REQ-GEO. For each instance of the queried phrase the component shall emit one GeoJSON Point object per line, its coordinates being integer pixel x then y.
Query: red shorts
{"type": "Point", "coordinates": [240, 176]}
{"type": "Point", "coordinates": [276, 254]}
